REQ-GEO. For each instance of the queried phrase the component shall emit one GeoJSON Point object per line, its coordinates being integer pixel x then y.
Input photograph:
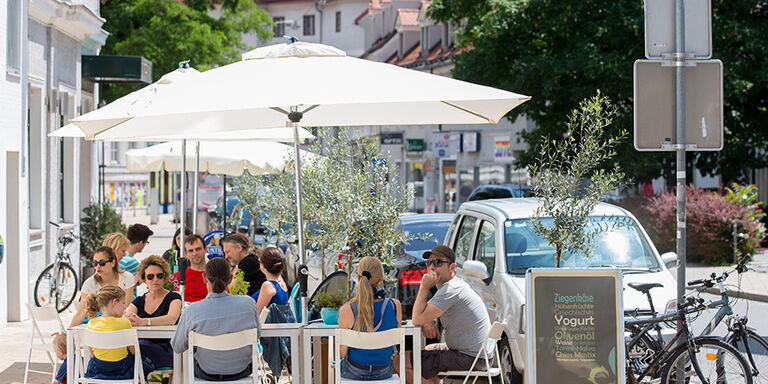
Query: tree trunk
{"type": "Point", "coordinates": [322, 259]}
{"type": "Point", "coordinates": [558, 254]}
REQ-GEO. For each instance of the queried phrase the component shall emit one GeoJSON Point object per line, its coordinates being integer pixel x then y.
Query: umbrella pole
{"type": "Point", "coordinates": [224, 210]}
{"type": "Point", "coordinates": [197, 187]}
{"type": "Point", "coordinates": [295, 117]}
{"type": "Point", "coordinates": [180, 263]}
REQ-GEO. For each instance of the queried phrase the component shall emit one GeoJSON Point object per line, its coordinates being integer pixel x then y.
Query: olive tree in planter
{"type": "Point", "coordinates": [569, 179]}
{"type": "Point", "coordinates": [351, 198]}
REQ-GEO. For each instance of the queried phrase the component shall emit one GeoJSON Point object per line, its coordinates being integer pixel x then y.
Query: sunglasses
{"type": "Point", "coordinates": [151, 276]}
{"type": "Point", "coordinates": [100, 263]}
{"type": "Point", "coordinates": [436, 262]}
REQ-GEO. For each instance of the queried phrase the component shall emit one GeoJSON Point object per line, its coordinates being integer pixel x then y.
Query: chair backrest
{"type": "Point", "coordinates": [225, 342]}
{"type": "Point", "coordinates": [370, 340]}
{"type": "Point", "coordinates": [497, 330]}
{"type": "Point", "coordinates": [45, 321]}
{"type": "Point", "coordinates": [85, 338]}
{"type": "Point", "coordinates": [263, 315]}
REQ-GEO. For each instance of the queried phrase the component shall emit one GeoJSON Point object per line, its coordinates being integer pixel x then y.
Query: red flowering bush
{"type": "Point", "coordinates": [709, 225]}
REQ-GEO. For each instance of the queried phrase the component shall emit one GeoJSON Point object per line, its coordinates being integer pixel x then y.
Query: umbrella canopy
{"type": "Point", "coordinates": [231, 158]}
{"type": "Point", "coordinates": [329, 88]}
{"type": "Point", "coordinates": [284, 135]}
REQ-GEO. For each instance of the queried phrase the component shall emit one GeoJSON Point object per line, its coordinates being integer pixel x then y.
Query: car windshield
{"type": "Point", "coordinates": [437, 230]}
{"type": "Point", "coordinates": [622, 246]}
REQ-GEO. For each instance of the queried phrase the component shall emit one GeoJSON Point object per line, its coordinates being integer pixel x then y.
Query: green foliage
{"type": "Point", "coordinates": [709, 225]}
{"type": "Point", "coordinates": [569, 179]}
{"type": "Point", "coordinates": [351, 197]}
{"type": "Point", "coordinates": [167, 32]}
{"type": "Point", "coordinates": [240, 287]}
{"type": "Point", "coordinates": [561, 51]}
{"type": "Point", "coordinates": [97, 221]}
{"type": "Point", "coordinates": [325, 299]}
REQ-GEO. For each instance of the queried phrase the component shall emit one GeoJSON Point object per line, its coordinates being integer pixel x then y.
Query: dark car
{"type": "Point", "coordinates": [408, 263]}
{"type": "Point", "coordinates": [500, 191]}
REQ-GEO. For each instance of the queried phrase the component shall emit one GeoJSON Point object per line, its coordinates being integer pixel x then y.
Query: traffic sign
{"type": "Point", "coordinates": [660, 28]}
{"type": "Point", "coordinates": [654, 105]}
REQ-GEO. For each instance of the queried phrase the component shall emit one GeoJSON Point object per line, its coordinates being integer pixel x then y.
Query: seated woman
{"type": "Point", "coordinates": [105, 263]}
{"type": "Point", "coordinates": [369, 311]}
{"type": "Point", "coordinates": [170, 254]}
{"type": "Point", "coordinates": [158, 306]}
{"type": "Point", "coordinates": [274, 289]}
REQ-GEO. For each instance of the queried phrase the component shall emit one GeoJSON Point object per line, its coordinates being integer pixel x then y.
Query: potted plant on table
{"type": "Point", "coordinates": [330, 304]}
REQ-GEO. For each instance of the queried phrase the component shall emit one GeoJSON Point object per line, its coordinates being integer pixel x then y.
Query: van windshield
{"type": "Point", "coordinates": [623, 246]}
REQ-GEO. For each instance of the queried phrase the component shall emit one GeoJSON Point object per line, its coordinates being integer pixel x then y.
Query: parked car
{"type": "Point", "coordinates": [408, 265]}
{"type": "Point", "coordinates": [495, 245]}
{"type": "Point", "coordinates": [500, 191]}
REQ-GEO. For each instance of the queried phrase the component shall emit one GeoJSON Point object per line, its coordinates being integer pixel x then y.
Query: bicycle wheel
{"type": "Point", "coordinates": [61, 294]}
{"type": "Point", "coordinates": [718, 362]}
{"type": "Point", "coordinates": [641, 354]}
{"type": "Point", "coordinates": [758, 348]}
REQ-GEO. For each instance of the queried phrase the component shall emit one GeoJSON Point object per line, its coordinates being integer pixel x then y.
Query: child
{"type": "Point", "coordinates": [60, 347]}
{"type": "Point", "coordinates": [114, 364]}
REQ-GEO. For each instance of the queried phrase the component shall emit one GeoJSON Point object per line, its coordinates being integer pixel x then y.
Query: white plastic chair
{"type": "Point", "coordinates": [492, 341]}
{"type": "Point", "coordinates": [86, 338]}
{"type": "Point", "coordinates": [369, 340]}
{"type": "Point", "coordinates": [45, 322]}
{"type": "Point", "coordinates": [225, 342]}
{"type": "Point", "coordinates": [263, 315]}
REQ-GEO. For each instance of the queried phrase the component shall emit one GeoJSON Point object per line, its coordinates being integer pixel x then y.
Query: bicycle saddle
{"type": "Point", "coordinates": [644, 287]}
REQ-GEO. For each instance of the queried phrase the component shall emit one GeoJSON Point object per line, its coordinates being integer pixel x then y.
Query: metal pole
{"type": "Point", "coordinates": [197, 187]}
{"type": "Point", "coordinates": [735, 242]}
{"type": "Point", "coordinates": [295, 117]}
{"type": "Point", "coordinates": [681, 144]}
{"type": "Point", "coordinates": [183, 213]}
{"type": "Point", "coordinates": [224, 209]}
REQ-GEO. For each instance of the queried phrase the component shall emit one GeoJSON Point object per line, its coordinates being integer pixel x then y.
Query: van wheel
{"type": "Point", "coordinates": [509, 374]}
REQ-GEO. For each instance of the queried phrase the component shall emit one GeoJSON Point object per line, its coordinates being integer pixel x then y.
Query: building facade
{"type": "Point", "coordinates": [45, 179]}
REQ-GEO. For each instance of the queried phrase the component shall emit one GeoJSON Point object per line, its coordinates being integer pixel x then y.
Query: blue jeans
{"type": "Point", "coordinates": [115, 370]}
{"type": "Point", "coordinates": [356, 371]}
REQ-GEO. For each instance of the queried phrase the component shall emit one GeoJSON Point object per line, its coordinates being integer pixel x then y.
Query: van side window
{"type": "Point", "coordinates": [448, 241]}
{"type": "Point", "coordinates": [464, 240]}
{"type": "Point", "coordinates": [485, 250]}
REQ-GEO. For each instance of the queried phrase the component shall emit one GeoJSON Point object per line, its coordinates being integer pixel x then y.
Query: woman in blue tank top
{"type": "Point", "coordinates": [274, 289]}
{"type": "Point", "coordinates": [369, 311]}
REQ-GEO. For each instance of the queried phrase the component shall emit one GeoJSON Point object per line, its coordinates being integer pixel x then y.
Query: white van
{"type": "Point", "coordinates": [495, 244]}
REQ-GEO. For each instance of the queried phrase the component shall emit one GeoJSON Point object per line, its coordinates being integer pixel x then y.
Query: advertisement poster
{"type": "Point", "coordinates": [470, 141]}
{"type": "Point", "coordinates": [502, 149]}
{"type": "Point", "coordinates": [575, 326]}
{"type": "Point", "coordinates": [441, 144]}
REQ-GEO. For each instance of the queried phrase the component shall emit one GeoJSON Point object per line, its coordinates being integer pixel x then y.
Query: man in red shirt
{"type": "Point", "coordinates": [194, 287]}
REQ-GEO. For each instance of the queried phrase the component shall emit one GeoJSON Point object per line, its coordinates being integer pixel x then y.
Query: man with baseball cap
{"type": "Point", "coordinates": [461, 311]}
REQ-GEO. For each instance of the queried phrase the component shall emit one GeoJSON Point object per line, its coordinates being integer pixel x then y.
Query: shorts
{"type": "Point", "coordinates": [443, 359]}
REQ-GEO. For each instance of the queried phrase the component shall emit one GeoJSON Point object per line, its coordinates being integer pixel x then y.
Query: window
{"type": "Point", "coordinates": [113, 152]}
{"type": "Point", "coordinates": [338, 21]}
{"type": "Point", "coordinates": [279, 28]}
{"type": "Point", "coordinates": [485, 249]}
{"type": "Point", "coordinates": [424, 38]}
{"type": "Point", "coordinates": [13, 35]}
{"type": "Point", "coordinates": [309, 25]}
{"type": "Point", "coordinates": [464, 241]}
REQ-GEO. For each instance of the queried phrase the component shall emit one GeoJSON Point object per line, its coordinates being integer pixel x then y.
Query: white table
{"type": "Point", "coordinates": [317, 330]}
{"type": "Point", "coordinates": [153, 332]}
{"type": "Point", "coordinates": [292, 330]}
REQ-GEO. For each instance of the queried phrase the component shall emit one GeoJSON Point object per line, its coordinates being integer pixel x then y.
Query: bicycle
{"type": "Point", "coordinates": [58, 283]}
{"type": "Point", "coordinates": [746, 340]}
{"type": "Point", "coordinates": [713, 360]}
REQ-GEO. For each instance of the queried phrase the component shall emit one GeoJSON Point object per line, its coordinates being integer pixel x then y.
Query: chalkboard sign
{"type": "Point", "coordinates": [575, 326]}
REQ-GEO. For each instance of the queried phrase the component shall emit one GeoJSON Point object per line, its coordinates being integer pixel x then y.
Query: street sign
{"type": "Point", "coordinates": [654, 105]}
{"type": "Point", "coordinates": [660, 28]}
{"type": "Point", "coordinates": [575, 326]}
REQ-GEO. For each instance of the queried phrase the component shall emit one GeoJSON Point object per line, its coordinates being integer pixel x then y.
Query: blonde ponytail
{"type": "Point", "coordinates": [95, 302]}
{"type": "Point", "coordinates": [371, 274]}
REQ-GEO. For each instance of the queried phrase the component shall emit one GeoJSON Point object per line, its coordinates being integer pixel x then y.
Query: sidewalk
{"type": "Point", "coordinates": [754, 284]}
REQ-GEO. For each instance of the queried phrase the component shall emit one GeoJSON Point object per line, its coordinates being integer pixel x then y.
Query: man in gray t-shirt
{"type": "Point", "coordinates": [461, 312]}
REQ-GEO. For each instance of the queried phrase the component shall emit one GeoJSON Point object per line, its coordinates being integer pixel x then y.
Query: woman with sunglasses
{"type": "Point", "coordinates": [158, 306]}
{"type": "Point", "coordinates": [105, 263]}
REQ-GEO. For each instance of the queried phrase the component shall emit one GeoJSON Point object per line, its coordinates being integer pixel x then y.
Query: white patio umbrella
{"type": "Point", "coordinates": [307, 85]}
{"type": "Point", "coordinates": [230, 158]}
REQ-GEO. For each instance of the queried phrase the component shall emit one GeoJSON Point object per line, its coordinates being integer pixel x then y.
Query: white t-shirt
{"type": "Point", "coordinates": [90, 285]}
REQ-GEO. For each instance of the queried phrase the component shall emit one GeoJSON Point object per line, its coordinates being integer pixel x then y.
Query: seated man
{"type": "Point", "coordinates": [194, 284]}
{"type": "Point", "coordinates": [236, 249]}
{"type": "Point", "coordinates": [461, 312]}
{"type": "Point", "coordinates": [217, 314]}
